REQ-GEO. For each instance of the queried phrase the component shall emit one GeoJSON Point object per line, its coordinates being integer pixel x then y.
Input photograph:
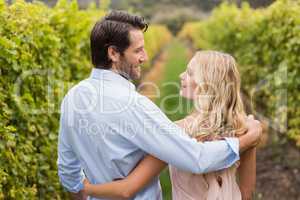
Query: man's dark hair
{"type": "Point", "coordinates": [113, 30]}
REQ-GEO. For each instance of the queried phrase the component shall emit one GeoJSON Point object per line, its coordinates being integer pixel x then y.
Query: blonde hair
{"type": "Point", "coordinates": [218, 102]}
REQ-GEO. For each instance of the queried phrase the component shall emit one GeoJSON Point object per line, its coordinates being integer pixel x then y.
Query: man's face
{"type": "Point", "coordinates": [134, 56]}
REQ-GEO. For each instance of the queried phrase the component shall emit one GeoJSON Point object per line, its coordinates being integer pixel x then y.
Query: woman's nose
{"type": "Point", "coordinates": [181, 76]}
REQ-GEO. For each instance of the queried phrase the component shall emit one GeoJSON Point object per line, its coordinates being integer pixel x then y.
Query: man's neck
{"type": "Point", "coordinates": [121, 73]}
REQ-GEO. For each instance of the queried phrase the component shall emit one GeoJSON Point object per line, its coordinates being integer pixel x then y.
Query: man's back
{"type": "Point", "coordinates": [95, 129]}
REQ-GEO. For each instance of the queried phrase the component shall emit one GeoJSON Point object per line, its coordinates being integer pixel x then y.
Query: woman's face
{"type": "Point", "coordinates": [188, 84]}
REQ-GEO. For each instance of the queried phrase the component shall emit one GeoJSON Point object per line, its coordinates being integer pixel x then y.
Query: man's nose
{"type": "Point", "coordinates": [144, 57]}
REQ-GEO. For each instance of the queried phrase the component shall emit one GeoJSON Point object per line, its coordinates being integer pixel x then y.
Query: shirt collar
{"type": "Point", "coordinates": [108, 75]}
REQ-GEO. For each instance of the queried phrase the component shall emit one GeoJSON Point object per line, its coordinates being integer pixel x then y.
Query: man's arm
{"type": "Point", "coordinates": [247, 141]}
{"type": "Point", "coordinates": [78, 196]}
{"type": "Point", "coordinates": [69, 169]}
{"type": "Point", "coordinates": [145, 171]}
{"type": "Point", "coordinates": [157, 135]}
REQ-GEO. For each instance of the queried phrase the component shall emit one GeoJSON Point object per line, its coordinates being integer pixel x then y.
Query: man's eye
{"type": "Point", "coordinates": [139, 50]}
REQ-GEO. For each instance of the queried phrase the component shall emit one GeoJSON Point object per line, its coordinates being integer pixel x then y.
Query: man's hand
{"type": "Point", "coordinates": [253, 135]}
{"type": "Point", "coordinates": [78, 196]}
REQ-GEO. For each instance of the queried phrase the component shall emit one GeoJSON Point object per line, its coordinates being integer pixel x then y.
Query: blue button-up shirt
{"type": "Point", "coordinates": [107, 127]}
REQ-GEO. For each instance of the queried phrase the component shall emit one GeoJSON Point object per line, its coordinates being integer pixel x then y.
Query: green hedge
{"type": "Point", "coordinates": [266, 43]}
{"type": "Point", "coordinates": [43, 52]}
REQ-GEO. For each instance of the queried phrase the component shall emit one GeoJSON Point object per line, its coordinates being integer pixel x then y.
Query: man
{"type": "Point", "coordinates": [106, 127]}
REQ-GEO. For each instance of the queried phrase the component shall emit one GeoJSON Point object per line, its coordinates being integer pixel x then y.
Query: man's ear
{"type": "Point", "coordinates": [113, 54]}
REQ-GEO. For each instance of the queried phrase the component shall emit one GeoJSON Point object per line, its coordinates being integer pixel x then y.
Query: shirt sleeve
{"type": "Point", "coordinates": [69, 168]}
{"type": "Point", "coordinates": [154, 133]}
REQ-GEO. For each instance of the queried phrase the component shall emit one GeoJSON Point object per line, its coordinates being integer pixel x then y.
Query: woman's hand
{"type": "Point", "coordinates": [86, 187]}
{"type": "Point", "coordinates": [81, 195]}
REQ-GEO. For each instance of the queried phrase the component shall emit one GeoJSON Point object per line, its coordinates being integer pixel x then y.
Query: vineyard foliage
{"type": "Point", "coordinates": [156, 37]}
{"type": "Point", "coordinates": [266, 44]}
{"type": "Point", "coordinates": [43, 52]}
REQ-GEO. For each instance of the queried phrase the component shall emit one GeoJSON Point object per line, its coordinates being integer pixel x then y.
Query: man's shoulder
{"type": "Point", "coordinates": [75, 89]}
{"type": "Point", "coordinates": [84, 92]}
{"type": "Point", "coordinates": [108, 95]}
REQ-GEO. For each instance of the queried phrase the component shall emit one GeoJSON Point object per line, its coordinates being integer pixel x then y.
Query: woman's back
{"type": "Point", "coordinates": [219, 185]}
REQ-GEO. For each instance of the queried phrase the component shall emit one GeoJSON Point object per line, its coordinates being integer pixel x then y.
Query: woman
{"type": "Point", "coordinates": [212, 81]}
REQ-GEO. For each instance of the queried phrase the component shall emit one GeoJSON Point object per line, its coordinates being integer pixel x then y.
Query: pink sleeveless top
{"type": "Point", "coordinates": [219, 185]}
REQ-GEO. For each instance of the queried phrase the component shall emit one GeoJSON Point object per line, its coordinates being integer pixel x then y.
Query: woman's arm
{"type": "Point", "coordinates": [247, 173]}
{"type": "Point", "coordinates": [145, 171]}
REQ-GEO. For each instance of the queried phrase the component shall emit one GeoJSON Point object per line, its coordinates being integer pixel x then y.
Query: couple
{"type": "Point", "coordinates": [114, 142]}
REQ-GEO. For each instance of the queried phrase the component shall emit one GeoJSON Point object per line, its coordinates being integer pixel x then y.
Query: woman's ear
{"type": "Point", "coordinates": [113, 54]}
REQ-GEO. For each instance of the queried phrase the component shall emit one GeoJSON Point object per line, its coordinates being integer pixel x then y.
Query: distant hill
{"type": "Point", "coordinates": [204, 5]}
{"type": "Point", "coordinates": [145, 6]}
{"type": "Point", "coordinates": [173, 13]}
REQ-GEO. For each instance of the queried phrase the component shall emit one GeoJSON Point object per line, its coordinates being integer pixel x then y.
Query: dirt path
{"type": "Point", "coordinates": [278, 171]}
{"type": "Point", "coordinates": [149, 85]}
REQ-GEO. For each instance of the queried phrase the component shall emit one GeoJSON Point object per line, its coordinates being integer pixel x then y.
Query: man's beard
{"type": "Point", "coordinates": [129, 71]}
